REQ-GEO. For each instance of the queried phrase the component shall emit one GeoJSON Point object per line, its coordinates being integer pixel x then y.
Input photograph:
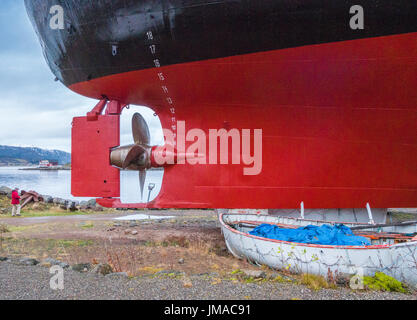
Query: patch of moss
{"type": "Point", "coordinates": [254, 280]}
{"type": "Point", "coordinates": [248, 280]}
{"type": "Point", "coordinates": [382, 282]}
{"type": "Point", "coordinates": [279, 279]}
{"type": "Point", "coordinates": [237, 271]}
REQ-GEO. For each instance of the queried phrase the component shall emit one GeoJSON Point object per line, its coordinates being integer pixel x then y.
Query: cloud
{"type": "Point", "coordinates": [36, 110]}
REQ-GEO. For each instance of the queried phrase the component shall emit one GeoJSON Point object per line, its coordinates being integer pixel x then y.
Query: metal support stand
{"type": "Point", "coordinates": [151, 186]}
{"type": "Point", "coordinates": [302, 209]}
{"type": "Point", "coordinates": [371, 219]}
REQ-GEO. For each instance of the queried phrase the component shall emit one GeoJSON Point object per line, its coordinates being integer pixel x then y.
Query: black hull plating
{"type": "Point", "coordinates": [193, 30]}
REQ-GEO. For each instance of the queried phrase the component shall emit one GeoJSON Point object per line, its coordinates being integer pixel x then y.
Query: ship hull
{"type": "Point", "coordinates": [338, 116]}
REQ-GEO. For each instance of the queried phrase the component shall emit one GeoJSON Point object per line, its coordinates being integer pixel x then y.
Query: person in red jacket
{"type": "Point", "coordinates": [15, 202]}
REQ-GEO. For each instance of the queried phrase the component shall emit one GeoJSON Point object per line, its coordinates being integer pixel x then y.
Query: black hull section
{"type": "Point", "coordinates": [193, 30]}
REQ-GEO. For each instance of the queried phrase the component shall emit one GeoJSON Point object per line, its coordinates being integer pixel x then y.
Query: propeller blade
{"type": "Point", "coordinates": [140, 130]}
{"type": "Point", "coordinates": [142, 178]}
{"type": "Point", "coordinates": [136, 156]}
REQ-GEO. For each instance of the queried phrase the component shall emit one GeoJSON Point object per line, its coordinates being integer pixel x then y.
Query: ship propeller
{"type": "Point", "coordinates": [138, 155]}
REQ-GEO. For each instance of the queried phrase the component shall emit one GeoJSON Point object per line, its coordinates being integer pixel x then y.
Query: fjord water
{"type": "Point", "coordinates": [58, 183]}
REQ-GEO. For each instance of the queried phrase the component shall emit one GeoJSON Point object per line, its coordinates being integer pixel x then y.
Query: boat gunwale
{"type": "Point", "coordinates": [325, 246]}
{"type": "Point", "coordinates": [301, 219]}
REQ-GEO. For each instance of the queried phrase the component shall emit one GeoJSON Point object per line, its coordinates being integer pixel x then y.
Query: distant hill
{"type": "Point", "coordinates": [19, 156]}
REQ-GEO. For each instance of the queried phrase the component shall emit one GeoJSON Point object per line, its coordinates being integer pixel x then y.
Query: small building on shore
{"type": "Point", "coordinates": [48, 164]}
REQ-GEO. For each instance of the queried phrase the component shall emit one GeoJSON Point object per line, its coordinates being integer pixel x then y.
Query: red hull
{"type": "Point", "coordinates": [338, 120]}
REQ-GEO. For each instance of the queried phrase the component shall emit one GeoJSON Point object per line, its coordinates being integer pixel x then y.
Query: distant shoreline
{"type": "Point", "coordinates": [56, 169]}
{"type": "Point", "coordinates": [67, 169]}
{"type": "Point", "coordinates": [44, 169]}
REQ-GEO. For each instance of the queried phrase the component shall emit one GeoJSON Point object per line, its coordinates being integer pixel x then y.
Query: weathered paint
{"type": "Point", "coordinates": [337, 107]}
{"type": "Point", "coordinates": [396, 260]}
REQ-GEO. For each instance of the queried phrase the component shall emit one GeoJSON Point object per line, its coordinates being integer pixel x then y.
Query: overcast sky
{"type": "Point", "coordinates": [36, 110]}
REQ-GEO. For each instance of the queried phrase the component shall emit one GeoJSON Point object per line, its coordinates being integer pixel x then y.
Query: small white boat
{"type": "Point", "coordinates": [395, 254]}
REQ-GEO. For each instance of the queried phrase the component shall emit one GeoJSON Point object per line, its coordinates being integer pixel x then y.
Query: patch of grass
{"type": "Point", "coordinates": [87, 225]}
{"type": "Point", "coordinates": [20, 228]}
{"type": "Point", "coordinates": [315, 282]}
{"type": "Point", "coordinates": [71, 243]}
{"type": "Point", "coordinates": [4, 228]}
{"type": "Point", "coordinates": [382, 282]}
{"type": "Point", "coordinates": [219, 250]}
{"type": "Point", "coordinates": [150, 270]}
{"type": "Point", "coordinates": [150, 244]}
{"type": "Point", "coordinates": [48, 243]}
{"type": "Point", "coordinates": [5, 202]}
{"type": "Point", "coordinates": [52, 213]}
{"type": "Point", "coordinates": [41, 247]}
{"type": "Point", "coordinates": [173, 241]}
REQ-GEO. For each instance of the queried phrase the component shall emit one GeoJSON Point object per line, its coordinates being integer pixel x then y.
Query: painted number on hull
{"type": "Point", "coordinates": [161, 77]}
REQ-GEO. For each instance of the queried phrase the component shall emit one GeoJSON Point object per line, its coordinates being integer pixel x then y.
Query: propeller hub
{"type": "Point", "coordinates": [132, 157]}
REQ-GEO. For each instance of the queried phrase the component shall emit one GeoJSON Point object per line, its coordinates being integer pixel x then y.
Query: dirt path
{"type": "Point", "coordinates": [21, 221]}
{"type": "Point", "coordinates": [181, 223]}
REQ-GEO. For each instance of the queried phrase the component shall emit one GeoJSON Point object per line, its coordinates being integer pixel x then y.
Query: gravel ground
{"type": "Point", "coordinates": [32, 282]}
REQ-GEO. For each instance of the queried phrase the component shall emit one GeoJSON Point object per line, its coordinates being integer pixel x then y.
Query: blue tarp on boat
{"type": "Point", "coordinates": [338, 234]}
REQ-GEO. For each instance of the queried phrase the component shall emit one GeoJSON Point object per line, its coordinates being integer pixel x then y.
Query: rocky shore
{"type": "Point", "coordinates": [64, 204]}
